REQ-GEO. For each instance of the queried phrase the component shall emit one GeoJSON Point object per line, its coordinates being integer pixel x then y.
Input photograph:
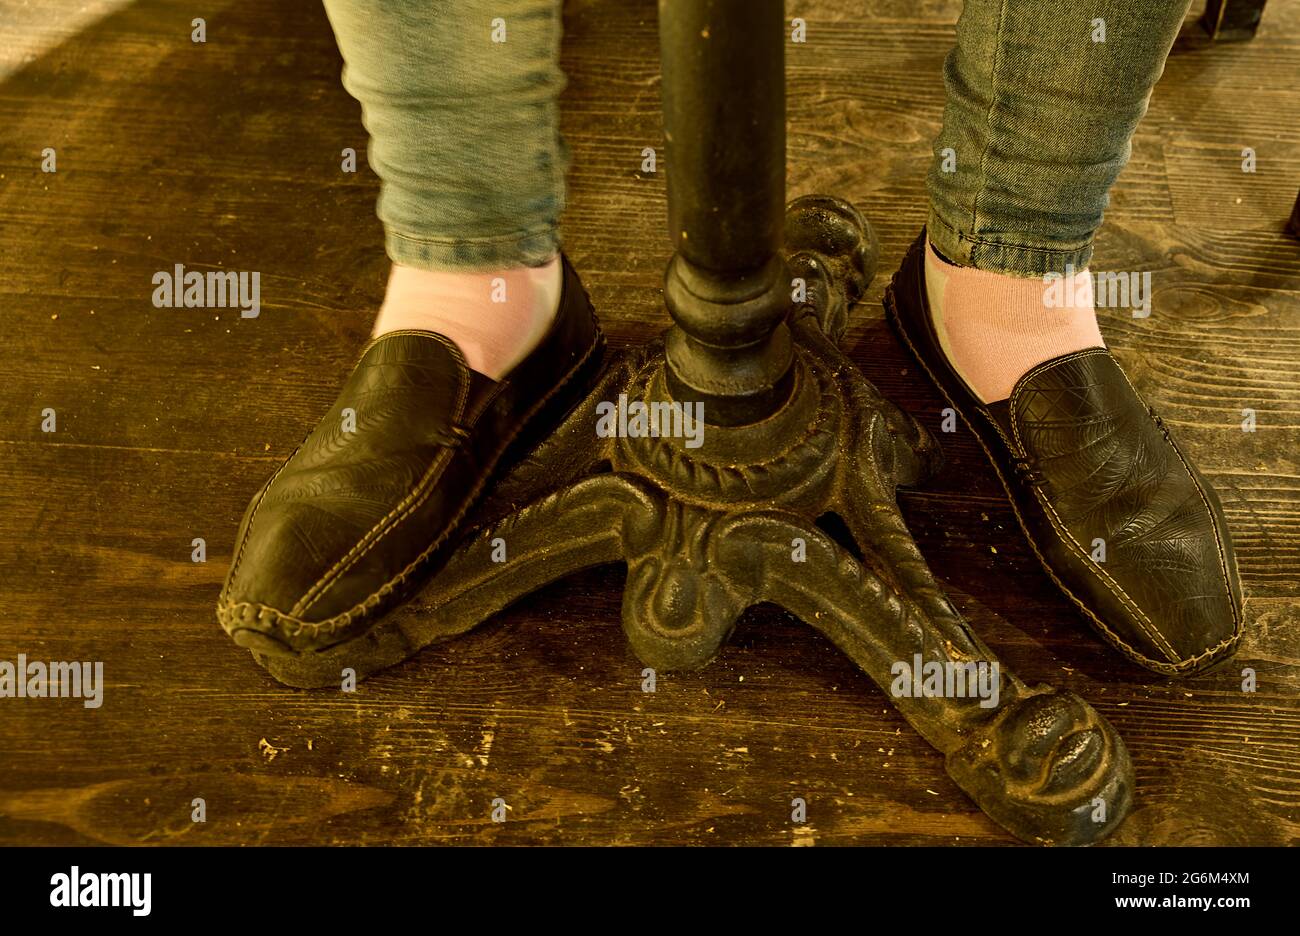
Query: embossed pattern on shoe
{"type": "Point", "coordinates": [354, 478]}
{"type": "Point", "coordinates": [1108, 471]}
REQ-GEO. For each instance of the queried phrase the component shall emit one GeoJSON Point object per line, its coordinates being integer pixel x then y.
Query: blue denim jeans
{"type": "Point", "coordinates": [461, 100]}
{"type": "Point", "coordinates": [1043, 99]}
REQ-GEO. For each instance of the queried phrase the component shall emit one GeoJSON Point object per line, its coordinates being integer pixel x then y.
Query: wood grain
{"type": "Point", "coordinates": [226, 155]}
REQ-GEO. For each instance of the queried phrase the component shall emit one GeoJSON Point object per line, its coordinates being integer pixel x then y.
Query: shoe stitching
{"type": "Point", "coordinates": [331, 625]}
{"type": "Point", "coordinates": [992, 422]}
{"type": "Point", "coordinates": [411, 502]}
{"type": "Point", "coordinates": [1218, 542]}
{"type": "Point", "coordinates": [1205, 501]}
{"type": "Point", "coordinates": [1111, 637]}
{"type": "Point", "coordinates": [261, 495]}
{"type": "Point", "coordinates": [1144, 621]}
{"type": "Point", "coordinates": [1039, 368]}
{"type": "Point", "coordinates": [243, 543]}
{"type": "Point", "coordinates": [227, 612]}
{"type": "Point", "coordinates": [1124, 648]}
{"type": "Point", "coordinates": [1017, 451]}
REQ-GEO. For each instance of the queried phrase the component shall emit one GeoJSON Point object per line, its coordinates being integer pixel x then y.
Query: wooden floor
{"type": "Point", "coordinates": [226, 154]}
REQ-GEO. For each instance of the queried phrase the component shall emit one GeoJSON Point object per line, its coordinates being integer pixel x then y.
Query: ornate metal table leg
{"type": "Point", "coordinates": [794, 432]}
{"type": "Point", "coordinates": [1232, 20]}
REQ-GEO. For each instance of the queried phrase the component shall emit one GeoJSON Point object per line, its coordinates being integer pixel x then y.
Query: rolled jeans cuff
{"type": "Point", "coordinates": [1012, 259]}
{"type": "Point", "coordinates": [525, 248]}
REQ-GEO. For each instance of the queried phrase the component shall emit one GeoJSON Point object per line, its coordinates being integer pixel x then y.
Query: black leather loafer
{"type": "Point", "coordinates": [1122, 522]}
{"type": "Point", "coordinates": [364, 510]}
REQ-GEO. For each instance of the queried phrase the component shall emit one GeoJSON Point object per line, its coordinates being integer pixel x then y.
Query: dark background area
{"type": "Point", "coordinates": [227, 154]}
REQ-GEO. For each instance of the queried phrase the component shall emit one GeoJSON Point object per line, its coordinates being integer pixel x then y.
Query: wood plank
{"type": "Point", "coordinates": [226, 155]}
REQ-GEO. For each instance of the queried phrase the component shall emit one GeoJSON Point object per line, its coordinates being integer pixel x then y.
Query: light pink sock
{"type": "Point", "coordinates": [994, 328]}
{"type": "Point", "coordinates": [495, 317]}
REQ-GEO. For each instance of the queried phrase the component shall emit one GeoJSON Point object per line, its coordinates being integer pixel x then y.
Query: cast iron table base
{"type": "Point", "coordinates": [708, 532]}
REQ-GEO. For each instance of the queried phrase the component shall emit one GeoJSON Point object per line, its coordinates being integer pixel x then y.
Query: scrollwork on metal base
{"type": "Point", "coordinates": [708, 532]}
